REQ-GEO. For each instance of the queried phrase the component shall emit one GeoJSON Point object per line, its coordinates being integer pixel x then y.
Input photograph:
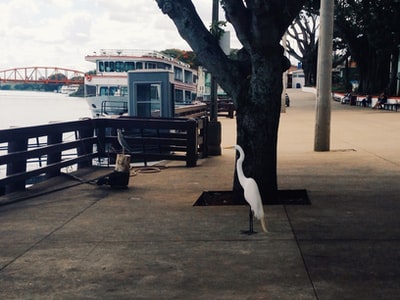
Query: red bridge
{"type": "Point", "coordinates": [42, 75]}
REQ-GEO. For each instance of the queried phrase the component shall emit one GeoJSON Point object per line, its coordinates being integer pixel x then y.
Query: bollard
{"type": "Point", "coordinates": [118, 179]}
{"type": "Point", "coordinates": [121, 171]}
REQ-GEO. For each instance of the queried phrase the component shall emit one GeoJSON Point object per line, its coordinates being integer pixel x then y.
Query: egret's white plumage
{"type": "Point", "coordinates": [251, 191]}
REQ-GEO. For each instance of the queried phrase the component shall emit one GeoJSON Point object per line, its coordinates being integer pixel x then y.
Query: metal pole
{"type": "Point", "coordinates": [214, 87]}
{"type": "Point", "coordinates": [324, 78]}
{"type": "Point", "coordinates": [214, 127]}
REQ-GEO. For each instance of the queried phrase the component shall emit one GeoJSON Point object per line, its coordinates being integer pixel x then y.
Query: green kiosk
{"type": "Point", "coordinates": [150, 94]}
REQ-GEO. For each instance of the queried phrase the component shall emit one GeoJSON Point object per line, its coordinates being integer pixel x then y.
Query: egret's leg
{"type": "Point", "coordinates": [251, 222]}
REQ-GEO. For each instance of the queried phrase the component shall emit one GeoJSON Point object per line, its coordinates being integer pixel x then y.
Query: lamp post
{"type": "Point", "coordinates": [214, 127]}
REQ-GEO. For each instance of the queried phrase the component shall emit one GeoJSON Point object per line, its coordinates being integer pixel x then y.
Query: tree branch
{"type": "Point", "coordinates": [203, 43]}
{"type": "Point", "coordinates": [238, 15]}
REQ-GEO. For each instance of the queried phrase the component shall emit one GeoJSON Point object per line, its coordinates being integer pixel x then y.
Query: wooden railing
{"type": "Point", "coordinates": [226, 107]}
{"type": "Point", "coordinates": [51, 143]}
{"type": "Point", "coordinates": [154, 139]}
{"type": "Point", "coordinates": [29, 152]}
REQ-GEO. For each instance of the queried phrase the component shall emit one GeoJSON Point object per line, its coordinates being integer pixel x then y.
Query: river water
{"type": "Point", "coordinates": [26, 108]}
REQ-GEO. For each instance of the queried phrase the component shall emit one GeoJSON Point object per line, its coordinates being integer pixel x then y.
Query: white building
{"type": "Point", "coordinates": [298, 78]}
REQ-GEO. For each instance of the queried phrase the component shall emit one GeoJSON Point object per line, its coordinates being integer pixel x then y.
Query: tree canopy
{"type": "Point", "coordinates": [371, 30]}
{"type": "Point", "coordinates": [188, 57]}
{"type": "Point", "coordinates": [302, 44]}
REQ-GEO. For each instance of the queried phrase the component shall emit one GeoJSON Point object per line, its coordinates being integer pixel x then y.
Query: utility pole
{"type": "Point", "coordinates": [214, 127]}
{"type": "Point", "coordinates": [324, 78]}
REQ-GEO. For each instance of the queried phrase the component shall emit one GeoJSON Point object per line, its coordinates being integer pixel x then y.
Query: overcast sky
{"type": "Point", "coordinates": [60, 33]}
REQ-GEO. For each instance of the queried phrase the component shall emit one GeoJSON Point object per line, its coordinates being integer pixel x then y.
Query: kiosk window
{"type": "Point", "coordinates": [148, 99]}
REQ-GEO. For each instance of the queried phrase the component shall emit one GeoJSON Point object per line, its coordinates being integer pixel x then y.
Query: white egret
{"type": "Point", "coordinates": [251, 192]}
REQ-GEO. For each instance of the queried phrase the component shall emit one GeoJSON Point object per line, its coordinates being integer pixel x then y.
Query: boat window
{"type": "Point", "coordinates": [178, 96]}
{"type": "Point", "coordinates": [103, 91]}
{"type": "Point", "coordinates": [109, 66]}
{"type": "Point", "coordinates": [188, 97]}
{"type": "Point", "coordinates": [101, 66]}
{"type": "Point", "coordinates": [139, 65]}
{"type": "Point", "coordinates": [188, 77]}
{"type": "Point", "coordinates": [124, 91]}
{"type": "Point", "coordinates": [178, 74]}
{"type": "Point", "coordinates": [113, 90]}
{"type": "Point", "coordinates": [151, 65]}
{"type": "Point", "coordinates": [119, 66]}
{"type": "Point", "coordinates": [163, 66]}
{"type": "Point", "coordinates": [129, 65]}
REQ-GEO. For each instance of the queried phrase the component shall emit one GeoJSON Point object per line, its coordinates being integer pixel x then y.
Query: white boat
{"type": "Point", "coordinates": [107, 89]}
{"type": "Point", "coordinates": [69, 89]}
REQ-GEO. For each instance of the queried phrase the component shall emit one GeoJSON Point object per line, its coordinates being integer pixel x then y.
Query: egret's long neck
{"type": "Point", "coordinates": [239, 165]}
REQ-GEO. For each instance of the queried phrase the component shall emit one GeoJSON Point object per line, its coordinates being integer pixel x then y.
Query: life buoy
{"type": "Point", "coordinates": [89, 77]}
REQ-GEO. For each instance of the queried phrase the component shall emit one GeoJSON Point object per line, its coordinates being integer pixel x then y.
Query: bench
{"type": "Point", "coordinates": [360, 102]}
{"type": "Point", "coordinates": [391, 106]}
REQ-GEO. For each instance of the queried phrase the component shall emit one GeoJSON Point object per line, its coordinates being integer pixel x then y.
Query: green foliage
{"type": "Point", "coordinates": [24, 86]}
{"type": "Point", "coordinates": [188, 57]}
{"type": "Point", "coordinates": [217, 30]}
{"type": "Point", "coordinates": [5, 87]}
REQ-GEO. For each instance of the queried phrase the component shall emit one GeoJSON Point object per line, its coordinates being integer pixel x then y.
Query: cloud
{"type": "Point", "coordinates": [78, 28]}
{"type": "Point", "coordinates": [61, 33]}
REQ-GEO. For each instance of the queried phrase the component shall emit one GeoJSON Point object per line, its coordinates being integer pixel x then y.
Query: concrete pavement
{"type": "Point", "coordinates": [150, 242]}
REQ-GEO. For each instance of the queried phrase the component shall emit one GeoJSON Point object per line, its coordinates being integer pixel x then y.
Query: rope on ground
{"type": "Point", "coordinates": [82, 180]}
{"type": "Point", "coordinates": [148, 170]}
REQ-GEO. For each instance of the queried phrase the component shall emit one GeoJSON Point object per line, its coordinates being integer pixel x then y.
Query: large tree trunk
{"type": "Point", "coordinates": [310, 70]}
{"type": "Point", "coordinates": [254, 81]}
{"type": "Point", "coordinates": [258, 114]}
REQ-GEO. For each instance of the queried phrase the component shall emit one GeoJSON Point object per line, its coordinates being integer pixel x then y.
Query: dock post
{"type": "Point", "coordinates": [85, 147]}
{"type": "Point", "coordinates": [53, 158]}
{"type": "Point", "coordinates": [17, 166]}
{"type": "Point", "coordinates": [191, 158]}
